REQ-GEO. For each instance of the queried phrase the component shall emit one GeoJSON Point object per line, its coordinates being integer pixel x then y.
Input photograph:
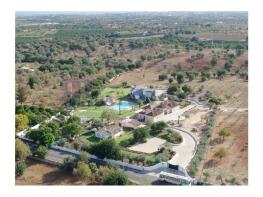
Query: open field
{"type": "Point", "coordinates": [39, 173]}
{"type": "Point", "coordinates": [232, 90]}
{"type": "Point", "coordinates": [233, 169]}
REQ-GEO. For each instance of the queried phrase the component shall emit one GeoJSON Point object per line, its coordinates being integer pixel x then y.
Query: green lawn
{"type": "Point", "coordinates": [126, 136]}
{"type": "Point", "coordinates": [118, 93]}
{"type": "Point", "coordinates": [89, 138]}
{"type": "Point", "coordinates": [96, 111]}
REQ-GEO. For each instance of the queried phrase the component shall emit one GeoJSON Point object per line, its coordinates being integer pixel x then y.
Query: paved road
{"type": "Point", "coordinates": [138, 178]}
{"type": "Point", "coordinates": [177, 112]}
{"type": "Point", "coordinates": [184, 151]}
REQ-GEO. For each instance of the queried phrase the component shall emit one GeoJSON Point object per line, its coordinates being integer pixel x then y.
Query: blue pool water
{"type": "Point", "coordinates": [123, 105]}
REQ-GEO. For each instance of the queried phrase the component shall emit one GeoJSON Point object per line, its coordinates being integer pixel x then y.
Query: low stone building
{"type": "Point", "coordinates": [153, 112]}
{"type": "Point", "coordinates": [131, 123]}
{"type": "Point", "coordinates": [113, 131]}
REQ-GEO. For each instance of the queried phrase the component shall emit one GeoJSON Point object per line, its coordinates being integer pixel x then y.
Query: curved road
{"type": "Point", "coordinates": [184, 151]}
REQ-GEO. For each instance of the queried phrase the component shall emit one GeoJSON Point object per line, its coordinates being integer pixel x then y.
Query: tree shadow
{"type": "Point", "coordinates": [215, 141]}
{"type": "Point", "coordinates": [211, 163]}
{"type": "Point", "coordinates": [59, 176]}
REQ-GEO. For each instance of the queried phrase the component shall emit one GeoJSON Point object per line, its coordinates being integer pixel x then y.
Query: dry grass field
{"type": "Point", "coordinates": [233, 169]}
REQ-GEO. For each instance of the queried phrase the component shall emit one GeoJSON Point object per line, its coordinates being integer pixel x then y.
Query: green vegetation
{"type": "Point", "coordinates": [82, 171]}
{"type": "Point", "coordinates": [225, 132]}
{"type": "Point", "coordinates": [221, 153]}
{"type": "Point", "coordinates": [42, 136]}
{"type": "Point", "coordinates": [34, 114]}
{"type": "Point", "coordinates": [21, 122]}
{"type": "Point", "coordinates": [20, 168]}
{"type": "Point", "coordinates": [115, 178]}
{"type": "Point", "coordinates": [203, 143]}
{"type": "Point", "coordinates": [22, 150]}
{"type": "Point", "coordinates": [172, 137]}
{"type": "Point", "coordinates": [157, 128]}
{"type": "Point", "coordinates": [162, 77]}
{"type": "Point", "coordinates": [140, 134]}
{"type": "Point", "coordinates": [214, 101]}
{"type": "Point", "coordinates": [41, 152]}
{"type": "Point", "coordinates": [106, 149]}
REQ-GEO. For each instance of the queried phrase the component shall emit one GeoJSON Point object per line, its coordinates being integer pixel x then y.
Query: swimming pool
{"type": "Point", "coordinates": [123, 105]}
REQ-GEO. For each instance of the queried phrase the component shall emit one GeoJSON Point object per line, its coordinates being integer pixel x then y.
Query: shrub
{"type": "Point", "coordinates": [157, 128]}
{"type": "Point", "coordinates": [213, 100]}
{"type": "Point", "coordinates": [82, 171]}
{"type": "Point", "coordinates": [140, 134]}
{"type": "Point", "coordinates": [70, 163]}
{"type": "Point", "coordinates": [162, 77]}
{"type": "Point", "coordinates": [106, 149]}
{"type": "Point", "coordinates": [22, 150]}
{"type": "Point", "coordinates": [20, 168]}
{"type": "Point", "coordinates": [172, 89]}
{"type": "Point", "coordinates": [115, 177]}
{"type": "Point", "coordinates": [41, 152]}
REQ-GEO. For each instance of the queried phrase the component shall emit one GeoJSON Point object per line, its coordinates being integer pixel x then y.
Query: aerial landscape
{"type": "Point", "coordinates": [131, 98]}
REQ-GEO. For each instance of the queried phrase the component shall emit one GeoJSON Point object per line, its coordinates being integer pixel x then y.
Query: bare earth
{"type": "Point", "coordinates": [39, 173]}
{"type": "Point", "coordinates": [233, 169]}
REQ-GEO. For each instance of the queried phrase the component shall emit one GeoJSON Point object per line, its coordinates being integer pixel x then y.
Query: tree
{"type": "Point", "coordinates": [140, 134]}
{"type": "Point", "coordinates": [41, 152]}
{"type": "Point", "coordinates": [171, 80]}
{"type": "Point", "coordinates": [70, 130]}
{"type": "Point", "coordinates": [20, 168]}
{"type": "Point", "coordinates": [228, 66]}
{"type": "Point", "coordinates": [181, 95]}
{"type": "Point", "coordinates": [109, 115]}
{"type": "Point", "coordinates": [187, 89]}
{"type": "Point", "coordinates": [43, 136]}
{"type": "Point", "coordinates": [106, 149]}
{"type": "Point", "coordinates": [221, 153]}
{"type": "Point", "coordinates": [162, 77]}
{"type": "Point", "coordinates": [97, 123]}
{"type": "Point", "coordinates": [84, 156]}
{"type": "Point", "coordinates": [190, 75]}
{"type": "Point", "coordinates": [172, 89]}
{"type": "Point", "coordinates": [21, 94]}
{"type": "Point", "coordinates": [180, 77]}
{"type": "Point", "coordinates": [214, 101]}
{"type": "Point", "coordinates": [32, 80]}
{"type": "Point", "coordinates": [115, 177]}
{"type": "Point", "coordinates": [22, 150]}
{"type": "Point", "coordinates": [221, 73]}
{"type": "Point", "coordinates": [157, 128]}
{"type": "Point", "coordinates": [70, 163]}
{"type": "Point", "coordinates": [214, 61]}
{"type": "Point", "coordinates": [225, 132]}
{"type": "Point", "coordinates": [82, 171]}
{"type": "Point", "coordinates": [21, 122]}
{"type": "Point", "coordinates": [95, 93]}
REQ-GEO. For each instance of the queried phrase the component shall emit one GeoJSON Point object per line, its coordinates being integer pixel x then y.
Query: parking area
{"type": "Point", "coordinates": [152, 145]}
